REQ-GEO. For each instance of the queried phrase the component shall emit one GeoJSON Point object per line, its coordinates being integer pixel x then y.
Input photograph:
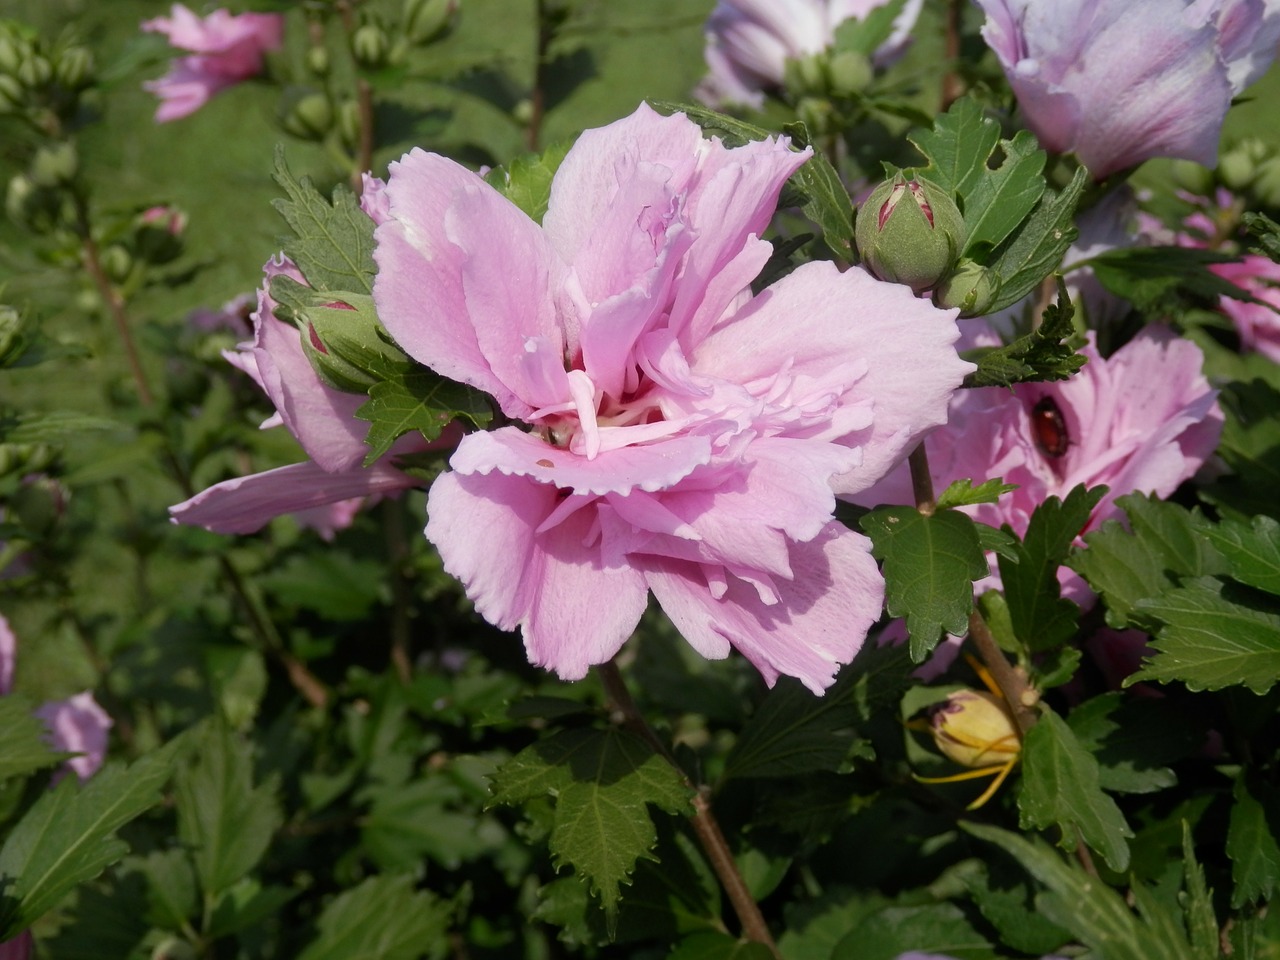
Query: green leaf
{"type": "Point", "coordinates": [226, 820]}
{"type": "Point", "coordinates": [1157, 280]}
{"type": "Point", "coordinates": [794, 732]}
{"type": "Point", "coordinates": [958, 147]}
{"type": "Point", "coordinates": [68, 836]}
{"type": "Point", "coordinates": [57, 426]}
{"type": "Point", "coordinates": [1041, 619]}
{"type": "Point", "coordinates": [602, 781]}
{"type": "Point", "coordinates": [1043, 354]}
{"type": "Point", "coordinates": [1061, 787]}
{"type": "Point", "coordinates": [332, 242]}
{"type": "Point", "coordinates": [23, 736]}
{"type": "Point", "coordinates": [246, 904]}
{"type": "Point", "coordinates": [1253, 841]}
{"type": "Point", "coordinates": [930, 563]}
{"type": "Point", "coordinates": [1005, 195]}
{"type": "Point", "coordinates": [961, 493]}
{"type": "Point", "coordinates": [935, 928]}
{"type": "Point", "coordinates": [1213, 636]}
{"type": "Point", "coordinates": [383, 918]}
{"type": "Point", "coordinates": [1164, 541]}
{"type": "Point", "coordinates": [1078, 902]}
{"type": "Point", "coordinates": [713, 945]}
{"type": "Point", "coordinates": [1133, 740]}
{"type": "Point", "coordinates": [171, 888]}
{"type": "Point", "coordinates": [526, 181]}
{"type": "Point", "coordinates": [1006, 898]}
{"type": "Point", "coordinates": [1250, 446]}
{"type": "Point", "coordinates": [1037, 248]}
{"type": "Point", "coordinates": [1202, 922]}
{"type": "Point", "coordinates": [418, 400]}
{"type": "Point", "coordinates": [1251, 551]}
{"type": "Point", "coordinates": [816, 187]}
{"type": "Point", "coordinates": [867, 33]}
{"type": "Point", "coordinates": [1267, 232]}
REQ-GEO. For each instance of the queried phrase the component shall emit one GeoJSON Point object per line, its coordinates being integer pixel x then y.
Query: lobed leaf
{"type": "Point", "coordinates": [962, 493]}
{"type": "Point", "coordinates": [1042, 354]}
{"type": "Point", "coordinates": [1160, 279]}
{"type": "Point", "coordinates": [526, 181]}
{"type": "Point", "coordinates": [929, 563]}
{"type": "Point", "coordinates": [383, 918]}
{"type": "Point", "coordinates": [418, 400]}
{"type": "Point", "coordinates": [1251, 551]}
{"type": "Point", "coordinates": [23, 739]}
{"type": "Point", "coordinates": [1253, 841]}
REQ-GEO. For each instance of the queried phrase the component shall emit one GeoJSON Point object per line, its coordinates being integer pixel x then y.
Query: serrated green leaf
{"type": "Point", "coordinates": [816, 187]}
{"type": "Point", "coordinates": [419, 400]}
{"type": "Point", "coordinates": [1081, 903]}
{"type": "Point", "coordinates": [246, 904]}
{"type": "Point", "coordinates": [23, 739]}
{"type": "Point", "coordinates": [602, 781]}
{"type": "Point", "coordinates": [383, 918]}
{"type": "Point", "coordinates": [1202, 922]}
{"type": "Point", "coordinates": [526, 181]}
{"type": "Point", "coordinates": [171, 887]}
{"type": "Point", "coordinates": [1041, 619]}
{"type": "Point", "coordinates": [794, 732]}
{"type": "Point", "coordinates": [1007, 900]}
{"type": "Point", "coordinates": [1061, 787]}
{"type": "Point", "coordinates": [930, 563]}
{"type": "Point", "coordinates": [1253, 841]}
{"type": "Point", "coordinates": [68, 836]}
{"type": "Point", "coordinates": [1213, 636]}
{"type": "Point", "coordinates": [713, 945]}
{"type": "Point", "coordinates": [1251, 551]}
{"type": "Point", "coordinates": [1037, 248]}
{"type": "Point", "coordinates": [1160, 279]}
{"type": "Point", "coordinates": [1005, 196]}
{"type": "Point", "coordinates": [935, 928]}
{"type": "Point", "coordinates": [1267, 233]}
{"type": "Point", "coordinates": [1043, 354]}
{"type": "Point", "coordinates": [1125, 566]}
{"type": "Point", "coordinates": [958, 147]}
{"type": "Point", "coordinates": [1250, 446]}
{"type": "Point", "coordinates": [962, 493]}
{"type": "Point", "coordinates": [222, 816]}
{"type": "Point", "coordinates": [332, 242]}
{"type": "Point", "coordinates": [1133, 740]}
{"type": "Point", "coordinates": [57, 426]}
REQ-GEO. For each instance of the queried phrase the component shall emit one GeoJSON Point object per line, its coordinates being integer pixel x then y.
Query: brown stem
{"type": "Point", "coordinates": [115, 306]}
{"type": "Point", "coordinates": [537, 95]}
{"type": "Point", "coordinates": [921, 481]}
{"type": "Point", "coordinates": [1012, 681]}
{"type": "Point", "coordinates": [704, 822]}
{"type": "Point", "coordinates": [952, 85]}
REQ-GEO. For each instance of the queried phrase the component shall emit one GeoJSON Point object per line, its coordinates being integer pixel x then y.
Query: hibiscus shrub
{"type": "Point", "coordinates": [814, 499]}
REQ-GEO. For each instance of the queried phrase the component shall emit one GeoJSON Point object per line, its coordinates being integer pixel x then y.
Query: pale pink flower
{"type": "Point", "coordinates": [750, 41]}
{"type": "Point", "coordinates": [678, 435]}
{"type": "Point", "coordinates": [225, 48]}
{"type": "Point", "coordinates": [8, 655]}
{"type": "Point", "coordinates": [1120, 81]}
{"type": "Point", "coordinates": [325, 491]}
{"type": "Point", "coordinates": [1258, 324]}
{"type": "Point", "coordinates": [1141, 421]}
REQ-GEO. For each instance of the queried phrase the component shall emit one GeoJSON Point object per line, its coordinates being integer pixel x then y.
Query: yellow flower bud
{"type": "Point", "coordinates": [974, 729]}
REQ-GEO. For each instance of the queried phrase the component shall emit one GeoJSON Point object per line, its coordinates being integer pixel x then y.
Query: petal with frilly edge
{"type": "Point", "coordinates": [433, 302]}
{"type": "Point", "coordinates": [573, 609]}
{"type": "Point", "coordinates": [819, 622]}
{"type": "Point", "coordinates": [816, 321]}
{"type": "Point", "coordinates": [78, 725]}
{"type": "Point", "coordinates": [247, 504]}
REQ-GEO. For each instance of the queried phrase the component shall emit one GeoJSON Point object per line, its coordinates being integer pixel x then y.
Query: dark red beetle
{"type": "Point", "coordinates": [1049, 428]}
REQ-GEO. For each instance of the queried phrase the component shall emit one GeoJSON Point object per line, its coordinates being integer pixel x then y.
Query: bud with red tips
{"type": "Point", "coordinates": [909, 231]}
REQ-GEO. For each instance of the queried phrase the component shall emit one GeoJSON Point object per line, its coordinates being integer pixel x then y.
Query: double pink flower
{"type": "Point", "coordinates": [225, 49]}
{"type": "Point", "coordinates": [671, 433]}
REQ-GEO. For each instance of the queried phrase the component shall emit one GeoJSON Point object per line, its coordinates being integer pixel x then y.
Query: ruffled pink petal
{"type": "Point", "coordinates": [819, 623]}
{"type": "Point", "coordinates": [246, 504]}
{"type": "Point", "coordinates": [78, 725]}
{"type": "Point", "coordinates": [8, 655]}
{"type": "Point", "coordinates": [515, 453]}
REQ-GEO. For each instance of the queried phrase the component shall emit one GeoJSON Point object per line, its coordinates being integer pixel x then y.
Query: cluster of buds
{"type": "Point", "coordinates": [38, 83]}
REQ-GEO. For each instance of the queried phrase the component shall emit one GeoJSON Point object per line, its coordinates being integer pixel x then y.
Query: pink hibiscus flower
{"type": "Point", "coordinates": [677, 435]}
{"type": "Point", "coordinates": [226, 49]}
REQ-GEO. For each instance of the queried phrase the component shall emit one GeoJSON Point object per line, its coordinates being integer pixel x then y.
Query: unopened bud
{"type": "Point", "coordinates": [55, 164]}
{"type": "Point", "coordinates": [318, 60]}
{"type": "Point", "coordinates": [909, 231]}
{"type": "Point", "coordinates": [116, 262]}
{"type": "Point", "coordinates": [12, 94]}
{"type": "Point", "coordinates": [425, 20]}
{"type": "Point", "coordinates": [348, 122]}
{"type": "Point", "coordinates": [35, 71]}
{"type": "Point", "coordinates": [12, 340]}
{"type": "Point", "coordinates": [369, 45]}
{"type": "Point", "coordinates": [74, 69]}
{"type": "Point", "coordinates": [806, 75]}
{"type": "Point", "coordinates": [851, 73]}
{"type": "Point", "coordinates": [973, 728]}
{"type": "Point", "coordinates": [1239, 165]}
{"type": "Point", "coordinates": [1266, 184]}
{"type": "Point", "coordinates": [13, 50]}
{"type": "Point", "coordinates": [971, 288]}
{"type": "Point", "coordinates": [311, 118]}
{"type": "Point", "coordinates": [1193, 177]}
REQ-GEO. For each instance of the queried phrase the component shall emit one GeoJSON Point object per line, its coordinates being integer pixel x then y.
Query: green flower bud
{"type": "Point", "coordinates": [36, 208]}
{"type": "Point", "coordinates": [369, 45]}
{"type": "Point", "coordinates": [971, 287]}
{"type": "Point", "coordinates": [35, 71]}
{"type": "Point", "coordinates": [1192, 177]}
{"type": "Point", "coordinates": [24, 458]}
{"type": "Point", "coordinates": [851, 73]}
{"type": "Point", "coordinates": [425, 20]}
{"type": "Point", "coordinates": [522, 112]}
{"type": "Point", "coordinates": [318, 61]}
{"type": "Point", "coordinates": [311, 117]}
{"type": "Point", "coordinates": [74, 69]}
{"type": "Point", "coordinates": [116, 262]}
{"type": "Point", "coordinates": [13, 96]}
{"type": "Point", "coordinates": [1239, 165]}
{"type": "Point", "coordinates": [1266, 184]}
{"type": "Point", "coordinates": [12, 341]}
{"type": "Point", "coordinates": [806, 75]}
{"type": "Point", "coordinates": [13, 50]}
{"type": "Point", "coordinates": [55, 164]}
{"type": "Point", "coordinates": [349, 122]}
{"type": "Point", "coordinates": [909, 231]}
